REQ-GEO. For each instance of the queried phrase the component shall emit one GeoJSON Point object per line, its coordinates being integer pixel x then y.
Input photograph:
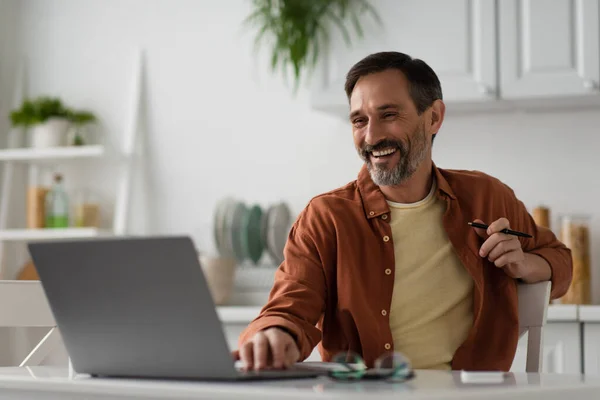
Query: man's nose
{"type": "Point", "coordinates": [373, 133]}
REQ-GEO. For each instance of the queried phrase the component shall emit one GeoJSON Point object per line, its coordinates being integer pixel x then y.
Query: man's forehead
{"type": "Point", "coordinates": [378, 89]}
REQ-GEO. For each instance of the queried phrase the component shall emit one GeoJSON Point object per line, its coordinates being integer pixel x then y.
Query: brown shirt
{"type": "Point", "coordinates": [338, 273]}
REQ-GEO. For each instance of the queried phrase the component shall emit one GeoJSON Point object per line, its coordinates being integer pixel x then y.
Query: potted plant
{"type": "Point", "coordinates": [297, 30]}
{"type": "Point", "coordinates": [49, 120]}
{"type": "Point", "coordinates": [47, 117]}
{"type": "Point", "coordinates": [80, 120]}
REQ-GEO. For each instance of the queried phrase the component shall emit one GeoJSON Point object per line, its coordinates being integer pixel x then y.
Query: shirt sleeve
{"type": "Point", "coordinates": [544, 244]}
{"type": "Point", "coordinates": [297, 299]}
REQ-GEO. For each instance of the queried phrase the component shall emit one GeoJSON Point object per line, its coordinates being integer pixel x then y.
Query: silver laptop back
{"type": "Point", "coordinates": [134, 307]}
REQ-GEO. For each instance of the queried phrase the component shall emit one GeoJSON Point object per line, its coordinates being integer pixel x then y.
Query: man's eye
{"type": "Point", "coordinates": [358, 121]}
{"type": "Point", "coordinates": [389, 115]}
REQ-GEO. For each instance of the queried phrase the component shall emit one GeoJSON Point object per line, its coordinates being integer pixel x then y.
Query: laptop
{"type": "Point", "coordinates": [139, 307]}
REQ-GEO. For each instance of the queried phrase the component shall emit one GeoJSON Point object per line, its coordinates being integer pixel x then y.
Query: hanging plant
{"type": "Point", "coordinates": [297, 30]}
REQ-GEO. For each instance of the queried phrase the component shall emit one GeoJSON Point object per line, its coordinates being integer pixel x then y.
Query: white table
{"type": "Point", "coordinates": [55, 383]}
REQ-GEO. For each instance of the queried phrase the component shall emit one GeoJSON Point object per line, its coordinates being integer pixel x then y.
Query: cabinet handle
{"type": "Point", "coordinates": [485, 89]}
{"type": "Point", "coordinates": [590, 84]}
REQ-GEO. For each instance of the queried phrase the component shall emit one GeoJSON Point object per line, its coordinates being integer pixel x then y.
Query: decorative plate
{"type": "Point", "coordinates": [252, 242]}
{"type": "Point", "coordinates": [236, 231]}
{"type": "Point", "coordinates": [279, 229]}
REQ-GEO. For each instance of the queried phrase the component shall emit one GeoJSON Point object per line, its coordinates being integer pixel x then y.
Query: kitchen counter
{"type": "Point", "coordinates": [237, 314]}
{"type": "Point", "coordinates": [556, 313]}
{"type": "Point", "coordinates": [562, 313]}
{"type": "Point", "coordinates": [589, 313]}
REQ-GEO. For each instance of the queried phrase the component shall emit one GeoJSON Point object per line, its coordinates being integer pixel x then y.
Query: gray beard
{"type": "Point", "coordinates": [411, 157]}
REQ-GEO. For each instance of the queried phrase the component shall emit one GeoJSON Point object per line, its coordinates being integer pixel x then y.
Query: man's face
{"type": "Point", "coordinates": [388, 133]}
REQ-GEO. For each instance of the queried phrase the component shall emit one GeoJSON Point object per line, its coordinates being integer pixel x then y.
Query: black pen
{"type": "Point", "coordinates": [506, 231]}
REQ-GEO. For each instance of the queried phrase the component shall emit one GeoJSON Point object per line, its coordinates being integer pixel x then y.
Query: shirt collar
{"type": "Point", "coordinates": [373, 199]}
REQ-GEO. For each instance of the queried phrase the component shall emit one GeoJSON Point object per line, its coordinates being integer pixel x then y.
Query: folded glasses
{"type": "Point", "coordinates": [392, 367]}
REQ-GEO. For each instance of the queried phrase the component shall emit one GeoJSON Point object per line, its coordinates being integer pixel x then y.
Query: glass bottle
{"type": "Point", "coordinates": [575, 234]}
{"type": "Point", "coordinates": [57, 205]}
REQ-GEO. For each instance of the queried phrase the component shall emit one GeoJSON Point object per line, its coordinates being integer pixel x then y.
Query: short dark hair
{"type": "Point", "coordinates": [424, 85]}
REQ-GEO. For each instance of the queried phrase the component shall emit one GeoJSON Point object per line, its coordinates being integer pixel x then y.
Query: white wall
{"type": "Point", "coordinates": [220, 124]}
{"type": "Point", "coordinates": [8, 51]}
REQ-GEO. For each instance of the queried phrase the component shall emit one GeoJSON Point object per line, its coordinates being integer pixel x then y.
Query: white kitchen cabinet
{"type": "Point", "coordinates": [489, 54]}
{"type": "Point", "coordinates": [591, 344]}
{"type": "Point", "coordinates": [548, 48]}
{"type": "Point", "coordinates": [561, 347]}
{"type": "Point", "coordinates": [590, 317]}
{"type": "Point", "coordinates": [456, 38]}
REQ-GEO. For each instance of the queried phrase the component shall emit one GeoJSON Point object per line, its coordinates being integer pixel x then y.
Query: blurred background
{"type": "Point", "coordinates": [215, 129]}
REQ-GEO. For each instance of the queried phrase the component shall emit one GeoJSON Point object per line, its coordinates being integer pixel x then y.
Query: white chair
{"type": "Point", "coordinates": [23, 304]}
{"type": "Point", "coordinates": [533, 308]}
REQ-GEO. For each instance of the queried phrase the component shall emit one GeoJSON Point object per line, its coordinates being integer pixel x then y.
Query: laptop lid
{"type": "Point", "coordinates": [134, 307]}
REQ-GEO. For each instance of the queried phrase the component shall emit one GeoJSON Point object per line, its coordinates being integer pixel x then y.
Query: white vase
{"type": "Point", "coordinates": [51, 133]}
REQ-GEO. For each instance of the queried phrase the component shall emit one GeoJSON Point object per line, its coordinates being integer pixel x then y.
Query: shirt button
{"type": "Point", "coordinates": [386, 238]}
{"type": "Point", "coordinates": [384, 216]}
{"type": "Point", "coordinates": [371, 212]}
{"type": "Point", "coordinates": [383, 312]}
{"type": "Point", "coordinates": [388, 271]}
{"type": "Point", "coordinates": [387, 346]}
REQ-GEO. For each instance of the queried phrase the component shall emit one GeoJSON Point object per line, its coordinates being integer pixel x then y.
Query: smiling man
{"type": "Point", "coordinates": [388, 262]}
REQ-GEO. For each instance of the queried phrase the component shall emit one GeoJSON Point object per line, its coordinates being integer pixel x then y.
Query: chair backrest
{"type": "Point", "coordinates": [23, 304]}
{"type": "Point", "coordinates": [533, 308]}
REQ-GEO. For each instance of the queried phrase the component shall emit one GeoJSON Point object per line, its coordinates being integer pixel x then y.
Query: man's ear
{"type": "Point", "coordinates": [438, 110]}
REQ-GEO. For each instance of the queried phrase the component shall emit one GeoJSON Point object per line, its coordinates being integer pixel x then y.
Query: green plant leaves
{"type": "Point", "coordinates": [297, 30]}
{"type": "Point", "coordinates": [39, 110]}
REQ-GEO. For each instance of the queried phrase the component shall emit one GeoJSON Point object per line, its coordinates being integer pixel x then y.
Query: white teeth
{"type": "Point", "coordinates": [383, 152]}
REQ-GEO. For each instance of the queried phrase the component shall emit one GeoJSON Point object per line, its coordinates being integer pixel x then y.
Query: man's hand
{"type": "Point", "coordinates": [503, 250]}
{"type": "Point", "coordinates": [271, 348]}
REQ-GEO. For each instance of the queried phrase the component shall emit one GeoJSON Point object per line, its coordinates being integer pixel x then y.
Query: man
{"type": "Point", "coordinates": [389, 262]}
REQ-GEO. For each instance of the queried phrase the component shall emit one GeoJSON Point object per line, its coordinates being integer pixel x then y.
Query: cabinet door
{"type": "Point", "coordinates": [562, 349]}
{"type": "Point", "coordinates": [591, 344]}
{"type": "Point", "coordinates": [548, 48]}
{"type": "Point", "coordinates": [456, 38]}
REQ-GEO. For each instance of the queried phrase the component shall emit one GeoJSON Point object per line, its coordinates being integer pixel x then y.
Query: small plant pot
{"type": "Point", "coordinates": [220, 275]}
{"type": "Point", "coordinates": [52, 133]}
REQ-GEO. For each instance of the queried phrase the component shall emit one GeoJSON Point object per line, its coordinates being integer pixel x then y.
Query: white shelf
{"type": "Point", "coordinates": [48, 233]}
{"type": "Point", "coordinates": [51, 153]}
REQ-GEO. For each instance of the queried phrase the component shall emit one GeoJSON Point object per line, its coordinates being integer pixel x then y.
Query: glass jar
{"type": "Point", "coordinates": [575, 234]}
{"type": "Point", "coordinates": [86, 209]}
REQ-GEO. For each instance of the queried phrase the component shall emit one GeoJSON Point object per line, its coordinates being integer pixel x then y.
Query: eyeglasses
{"type": "Point", "coordinates": [392, 367]}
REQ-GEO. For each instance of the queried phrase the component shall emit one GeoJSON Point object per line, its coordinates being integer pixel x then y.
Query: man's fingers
{"type": "Point", "coordinates": [480, 232]}
{"type": "Point", "coordinates": [261, 351]}
{"type": "Point", "coordinates": [498, 225]}
{"type": "Point", "coordinates": [492, 242]}
{"type": "Point", "coordinates": [503, 247]}
{"type": "Point", "coordinates": [247, 355]}
{"type": "Point", "coordinates": [509, 258]}
{"type": "Point", "coordinates": [277, 344]}
{"type": "Point", "coordinates": [291, 354]}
